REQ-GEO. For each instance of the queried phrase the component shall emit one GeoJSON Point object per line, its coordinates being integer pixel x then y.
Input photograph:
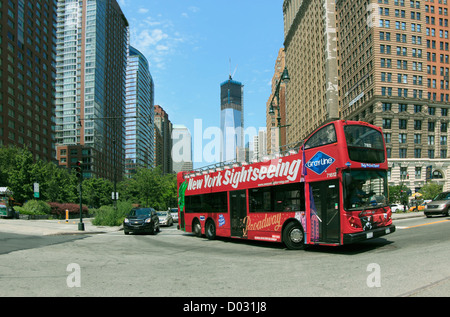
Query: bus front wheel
{"type": "Point", "coordinates": [293, 236]}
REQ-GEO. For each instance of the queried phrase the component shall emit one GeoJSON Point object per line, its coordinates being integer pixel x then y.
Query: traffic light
{"type": "Point", "coordinates": [78, 171]}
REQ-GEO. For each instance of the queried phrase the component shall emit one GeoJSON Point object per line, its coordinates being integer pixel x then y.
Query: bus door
{"type": "Point", "coordinates": [324, 205]}
{"type": "Point", "coordinates": [238, 212]}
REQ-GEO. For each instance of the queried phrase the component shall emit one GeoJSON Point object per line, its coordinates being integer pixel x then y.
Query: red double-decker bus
{"type": "Point", "coordinates": [332, 192]}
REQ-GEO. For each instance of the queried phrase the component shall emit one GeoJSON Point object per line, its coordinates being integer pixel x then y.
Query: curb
{"type": "Point", "coordinates": [407, 215]}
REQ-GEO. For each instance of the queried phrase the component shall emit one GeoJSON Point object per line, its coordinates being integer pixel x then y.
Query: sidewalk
{"type": "Point", "coordinates": [52, 227]}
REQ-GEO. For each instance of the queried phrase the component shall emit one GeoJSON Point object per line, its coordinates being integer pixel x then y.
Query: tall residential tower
{"type": "Point", "coordinates": [92, 44]}
{"type": "Point", "coordinates": [27, 54]}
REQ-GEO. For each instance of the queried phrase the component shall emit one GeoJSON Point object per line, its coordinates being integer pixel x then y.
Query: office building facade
{"type": "Point", "coordinates": [276, 136]}
{"type": "Point", "coordinates": [311, 59]}
{"type": "Point", "coordinates": [27, 55]}
{"type": "Point", "coordinates": [163, 140]}
{"type": "Point", "coordinates": [181, 149]}
{"type": "Point", "coordinates": [92, 44]}
{"type": "Point", "coordinates": [394, 59]}
{"type": "Point", "coordinates": [392, 62]}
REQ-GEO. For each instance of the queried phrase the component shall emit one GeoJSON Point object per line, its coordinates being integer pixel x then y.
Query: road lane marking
{"type": "Point", "coordinates": [424, 224]}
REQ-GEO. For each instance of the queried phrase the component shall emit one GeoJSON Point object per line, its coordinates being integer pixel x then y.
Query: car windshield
{"type": "Point", "coordinates": [161, 213]}
{"type": "Point", "coordinates": [365, 189]}
{"type": "Point", "coordinates": [140, 212]}
{"type": "Point", "coordinates": [443, 196]}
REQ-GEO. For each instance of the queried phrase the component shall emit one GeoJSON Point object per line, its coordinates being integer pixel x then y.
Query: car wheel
{"type": "Point", "coordinates": [293, 236]}
{"type": "Point", "coordinates": [210, 230]}
{"type": "Point", "coordinates": [126, 232]}
{"type": "Point", "coordinates": [197, 228]}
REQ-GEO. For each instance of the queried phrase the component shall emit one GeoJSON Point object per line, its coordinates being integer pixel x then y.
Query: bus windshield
{"type": "Point", "coordinates": [365, 189]}
{"type": "Point", "coordinates": [365, 144]}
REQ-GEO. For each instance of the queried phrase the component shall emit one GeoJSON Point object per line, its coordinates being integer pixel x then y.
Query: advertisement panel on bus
{"type": "Point", "coordinates": [270, 191]}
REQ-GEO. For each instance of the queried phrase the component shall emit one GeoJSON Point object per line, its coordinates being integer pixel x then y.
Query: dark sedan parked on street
{"type": "Point", "coordinates": [142, 220]}
{"type": "Point", "coordinates": [439, 206]}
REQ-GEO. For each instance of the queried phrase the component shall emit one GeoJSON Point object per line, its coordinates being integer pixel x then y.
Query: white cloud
{"type": "Point", "coordinates": [156, 36]}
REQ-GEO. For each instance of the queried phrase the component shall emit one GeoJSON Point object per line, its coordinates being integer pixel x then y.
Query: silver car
{"type": "Point", "coordinates": [165, 218]}
{"type": "Point", "coordinates": [174, 213]}
{"type": "Point", "coordinates": [439, 206]}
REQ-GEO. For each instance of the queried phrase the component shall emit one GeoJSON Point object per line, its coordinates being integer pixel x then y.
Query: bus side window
{"type": "Point", "coordinates": [279, 198]}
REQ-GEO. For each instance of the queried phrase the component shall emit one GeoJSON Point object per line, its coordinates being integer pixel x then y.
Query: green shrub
{"type": "Point", "coordinates": [108, 216]}
{"type": "Point", "coordinates": [35, 207]}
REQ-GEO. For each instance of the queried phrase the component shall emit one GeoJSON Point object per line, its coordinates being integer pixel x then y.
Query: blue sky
{"type": "Point", "coordinates": [189, 44]}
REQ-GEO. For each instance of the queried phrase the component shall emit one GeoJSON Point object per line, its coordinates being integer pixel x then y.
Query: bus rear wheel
{"type": "Point", "coordinates": [210, 230]}
{"type": "Point", "coordinates": [293, 236]}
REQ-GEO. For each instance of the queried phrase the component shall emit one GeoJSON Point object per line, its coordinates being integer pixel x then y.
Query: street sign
{"type": "Point", "coordinates": [36, 190]}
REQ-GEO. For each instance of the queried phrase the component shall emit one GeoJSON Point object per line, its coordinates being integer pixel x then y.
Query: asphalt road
{"type": "Point", "coordinates": [413, 261]}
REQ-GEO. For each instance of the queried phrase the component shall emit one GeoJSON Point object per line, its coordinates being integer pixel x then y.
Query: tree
{"type": "Point", "coordinates": [430, 190]}
{"type": "Point", "coordinates": [55, 183]}
{"type": "Point", "coordinates": [398, 194]}
{"type": "Point", "coordinates": [19, 172]}
{"type": "Point", "coordinates": [97, 192]}
{"type": "Point", "coordinates": [20, 178]}
{"type": "Point", "coordinates": [150, 188]}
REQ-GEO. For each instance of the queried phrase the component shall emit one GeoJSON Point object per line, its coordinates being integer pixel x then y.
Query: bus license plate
{"type": "Point", "coordinates": [369, 235]}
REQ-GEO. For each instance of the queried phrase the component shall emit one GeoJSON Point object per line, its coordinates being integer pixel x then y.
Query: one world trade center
{"type": "Point", "coordinates": [231, 120]}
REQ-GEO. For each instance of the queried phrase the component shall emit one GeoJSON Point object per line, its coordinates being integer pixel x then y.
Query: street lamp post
{"type": "Point", "coordinates": [79, 174]}
{"type": "Point", "coordinates": [284, 79]}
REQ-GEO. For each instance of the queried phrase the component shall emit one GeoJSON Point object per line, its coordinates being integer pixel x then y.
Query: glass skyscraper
{"type": "Point", "coordinates": [140, 113]}
{"type": "Point", "coordinates": [231, 120]}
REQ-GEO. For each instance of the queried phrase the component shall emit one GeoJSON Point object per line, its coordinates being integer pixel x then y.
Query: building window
{"type": "Point", "coordinates": [402, 107]}
{"type": "Point", "coordinates": [403, 153]}
{"type": "Point", "coordinates": [403, 124]}
{"type": "Point", "coordinates": [387, 138]}
{"type": "Point", "coordinates": [418, 172]}
{"type": "Point", "coordinates": [402, 138]}
{"type": "Point", "coordinates": [417, 124]}
{"type": "Point", "coordinates": [417, 153]}
{"type": "Point", "coordinates": [417, 138]}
